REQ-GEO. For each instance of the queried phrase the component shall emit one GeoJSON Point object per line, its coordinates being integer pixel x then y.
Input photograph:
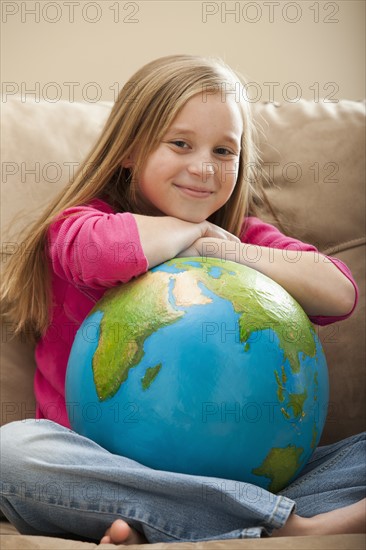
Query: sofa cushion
{"type": "Point", "coordinates": [314, 156]}
{"type": "Point", "coordinates": [344, 347]}
{"type": "Point", "coordinates": [45, 143]}
{"type": "Point", "coordinates": [10, 540]}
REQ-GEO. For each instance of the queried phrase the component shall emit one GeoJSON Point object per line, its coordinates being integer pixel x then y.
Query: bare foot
{"type": "Point", "coordinates": [122, 533]}
{"type": "Point", "coordinates": [349, 519]}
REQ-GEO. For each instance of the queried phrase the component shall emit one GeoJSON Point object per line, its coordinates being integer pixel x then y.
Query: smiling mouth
{"type": "Point", "coordinates": [194, 191]}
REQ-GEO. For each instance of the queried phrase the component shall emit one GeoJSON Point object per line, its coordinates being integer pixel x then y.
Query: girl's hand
{"type": "Point", "coordinates": [211, 230]}
{"type": "Point", "coordinates": [194, 250]}
{"type": "Point", "coordinates": [209, 247]}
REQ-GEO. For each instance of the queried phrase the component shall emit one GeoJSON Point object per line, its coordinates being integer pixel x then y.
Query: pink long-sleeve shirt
{"type": "Point", "coordinates": [92, 248]}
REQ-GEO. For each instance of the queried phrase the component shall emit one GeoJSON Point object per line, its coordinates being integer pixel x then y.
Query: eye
{"type": "Point", "coordinates": [223, 151]}
{"type": "Point", "coordinates": [180, 143]}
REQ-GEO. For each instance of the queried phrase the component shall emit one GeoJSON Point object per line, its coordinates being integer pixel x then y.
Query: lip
{"type": "Point", "coordinates": [194, 191]}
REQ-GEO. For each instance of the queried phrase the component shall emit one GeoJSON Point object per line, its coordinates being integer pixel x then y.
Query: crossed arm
{"type": "Point", "coordinates": [312, 279]}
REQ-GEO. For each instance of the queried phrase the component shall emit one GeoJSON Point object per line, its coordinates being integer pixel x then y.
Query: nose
{"type": "Point", "coordinates": [202, 167]}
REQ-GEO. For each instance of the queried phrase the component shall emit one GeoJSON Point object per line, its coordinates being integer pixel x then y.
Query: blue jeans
{"type": "Point", "coordinates": [58, 483]}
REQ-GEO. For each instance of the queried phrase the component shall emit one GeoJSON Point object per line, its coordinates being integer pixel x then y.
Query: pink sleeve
{"type": "Point", "coordinates": [256, 232]}
{"type": "Point", "coordinates": [93, 246]}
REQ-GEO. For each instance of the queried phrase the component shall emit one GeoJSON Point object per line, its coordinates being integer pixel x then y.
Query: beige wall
{"type": "Point", "coordinates": [84, 50]}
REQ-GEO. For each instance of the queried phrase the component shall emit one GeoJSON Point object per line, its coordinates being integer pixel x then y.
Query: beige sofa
{"type": "Point", "coordinates": [314, 154]}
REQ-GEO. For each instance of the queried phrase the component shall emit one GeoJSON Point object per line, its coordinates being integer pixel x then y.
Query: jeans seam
{"type": "Point", "coordinates": [75, 509]}
{"type": "Point", "coordinates": [252, 532]}
{"type": "Point", "coordinates": [319, 470]}
{"type": "Point", "coordinates": [280, 510]}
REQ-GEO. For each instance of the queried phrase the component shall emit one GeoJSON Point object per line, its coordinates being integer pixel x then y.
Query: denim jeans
{"type": "Point", "coordinates": [58, 483]}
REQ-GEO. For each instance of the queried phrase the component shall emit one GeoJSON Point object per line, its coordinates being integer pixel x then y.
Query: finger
{"type": "Point", "coordinates": [226, 235]}
{"type": "Point", "coordinates": [217, 231]}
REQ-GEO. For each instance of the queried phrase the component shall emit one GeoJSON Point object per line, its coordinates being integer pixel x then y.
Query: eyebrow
{"type": "Point", "coordinates": [185, 131]}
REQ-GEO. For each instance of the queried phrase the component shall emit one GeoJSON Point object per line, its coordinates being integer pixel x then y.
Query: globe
{"type": "Point", "coordinates": [201, 366]}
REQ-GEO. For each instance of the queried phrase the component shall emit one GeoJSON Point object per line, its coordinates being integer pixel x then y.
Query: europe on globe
{"type": "Point", "coordinates": [201, 366]}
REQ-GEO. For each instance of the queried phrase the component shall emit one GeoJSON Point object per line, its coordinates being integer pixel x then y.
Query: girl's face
{"type": "Point", "coordinates": [193, 171]}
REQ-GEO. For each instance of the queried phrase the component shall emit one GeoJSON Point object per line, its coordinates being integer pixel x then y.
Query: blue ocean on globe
{"type": "Point", "coordinates": [202, 367]}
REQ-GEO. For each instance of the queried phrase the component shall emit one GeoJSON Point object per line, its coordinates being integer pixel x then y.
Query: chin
{"type": "Point", "coordinates": [191, 218]}
{"type": "Point", "coordinates": [189, 215]}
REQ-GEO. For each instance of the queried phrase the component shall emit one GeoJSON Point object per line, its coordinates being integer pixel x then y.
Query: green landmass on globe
{"type": "Point", "coordinates": [125, 327]}
{"type": "Point", "coordinates": [279, 465]}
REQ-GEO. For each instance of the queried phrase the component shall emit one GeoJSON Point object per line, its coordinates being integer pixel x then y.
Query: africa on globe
{"type": "Point", "coordinates": [201, 366]}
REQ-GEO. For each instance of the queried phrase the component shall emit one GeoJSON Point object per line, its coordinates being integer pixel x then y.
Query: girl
{"type": "Point", "coordinates": [171, 175]}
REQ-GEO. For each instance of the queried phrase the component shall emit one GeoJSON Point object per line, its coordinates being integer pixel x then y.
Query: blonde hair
{"type": "Point", "coordinates": [144, 110]}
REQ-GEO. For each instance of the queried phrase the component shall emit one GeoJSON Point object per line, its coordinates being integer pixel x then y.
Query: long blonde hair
{"type": "Point", "coordinates": [144, 110]}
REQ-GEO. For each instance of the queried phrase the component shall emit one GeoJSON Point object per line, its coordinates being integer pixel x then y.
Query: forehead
{"type": "Point", "coordinates": [212, 112]}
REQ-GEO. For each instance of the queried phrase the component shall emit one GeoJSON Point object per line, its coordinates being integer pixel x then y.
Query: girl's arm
{"type": "Point", "coordinates": [91, 246]}
{"type": "Point", "coordinates": [311, 278]}
{"type": "Point", "coordinates": [165, 237]}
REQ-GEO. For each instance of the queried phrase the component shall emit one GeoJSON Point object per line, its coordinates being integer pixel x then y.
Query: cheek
{"type": "Point", "coordinates": [229, 176]}
{"type": "Point", "coordinates": [229, 172]}
{"type": "Point", "coordinates": [148, 175]}
{"type": "Point", "coordinates": [156, 169]}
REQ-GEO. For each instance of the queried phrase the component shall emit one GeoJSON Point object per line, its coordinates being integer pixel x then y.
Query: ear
{"type": "Point", "coordinates": [129, 162]}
